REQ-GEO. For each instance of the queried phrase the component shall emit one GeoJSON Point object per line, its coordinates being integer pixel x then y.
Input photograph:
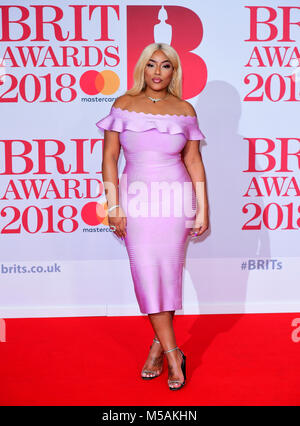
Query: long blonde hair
{"type": "Point", "coordinates": [175, 86]}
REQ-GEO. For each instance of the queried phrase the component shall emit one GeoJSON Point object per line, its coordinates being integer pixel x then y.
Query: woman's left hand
{"type": "Point", "coordinates": [200, 225]}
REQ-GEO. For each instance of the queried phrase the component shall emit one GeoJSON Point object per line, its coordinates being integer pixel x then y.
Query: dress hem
{"type": "Point", "coordinates": [163, 310]}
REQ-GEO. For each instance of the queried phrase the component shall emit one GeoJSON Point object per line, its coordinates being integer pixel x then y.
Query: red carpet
{"type": "Point", "coordinates": [247, 359]}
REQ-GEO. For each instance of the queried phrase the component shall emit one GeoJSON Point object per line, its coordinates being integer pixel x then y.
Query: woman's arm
{"type": "Point", "coordinates": [192, 160]}
{"type": "Point", "coordinates": [111, 152]}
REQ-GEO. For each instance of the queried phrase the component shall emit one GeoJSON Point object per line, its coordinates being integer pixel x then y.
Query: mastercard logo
{"type": "Point", "coordinates": [93, 82]}
{"type": "Point", "coordinates": [94, 213]}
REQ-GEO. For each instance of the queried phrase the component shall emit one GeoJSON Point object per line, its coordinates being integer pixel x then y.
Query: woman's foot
{"type": "Point", "coordinates": [154, 363]}
{"type": "Point", "coordinates": [174, 369]}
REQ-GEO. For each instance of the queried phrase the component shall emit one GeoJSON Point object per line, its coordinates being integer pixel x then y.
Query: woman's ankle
{"type": "Point", "coordinates": [174, 357]}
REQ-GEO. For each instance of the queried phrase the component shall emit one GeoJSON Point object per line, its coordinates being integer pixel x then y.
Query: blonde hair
{"type": "Point", "coordinates": [175, 85]}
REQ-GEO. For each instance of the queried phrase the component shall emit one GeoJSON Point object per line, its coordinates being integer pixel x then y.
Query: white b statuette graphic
{"type": "Point", "coordinates": [162, 31]}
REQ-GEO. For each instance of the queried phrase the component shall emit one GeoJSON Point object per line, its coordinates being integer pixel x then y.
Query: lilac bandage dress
{"type": "Point", "coordinates": [157, 195]}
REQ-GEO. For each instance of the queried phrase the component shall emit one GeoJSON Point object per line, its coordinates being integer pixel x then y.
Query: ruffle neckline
{"type": "Point", "coordinates": [148, 114]}
{"type": "Point", "coordinates": [120, 120]}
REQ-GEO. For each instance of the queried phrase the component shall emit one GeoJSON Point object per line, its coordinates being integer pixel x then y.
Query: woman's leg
{"type": "Point", "coordinates": [162, 324]}
{"type": "Point", "coordinates": [154, 361]}
{"type": "Point", "coordinates": [172, 314]}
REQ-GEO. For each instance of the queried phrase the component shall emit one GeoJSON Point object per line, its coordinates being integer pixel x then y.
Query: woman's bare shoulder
{"type": "Point", "coordinates": [122, 101]}
{"type": "Point", "coordinates": [187, 108]}
{"type": "Point", "coordinates": [180, 106]}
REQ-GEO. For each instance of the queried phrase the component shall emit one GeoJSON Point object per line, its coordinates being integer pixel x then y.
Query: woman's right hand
{"type": "Point", "coordinates": [117, 219]}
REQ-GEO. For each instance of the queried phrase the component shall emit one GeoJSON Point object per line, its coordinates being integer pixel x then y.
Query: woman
{"type": "Point", "coordinates": [159, 134]}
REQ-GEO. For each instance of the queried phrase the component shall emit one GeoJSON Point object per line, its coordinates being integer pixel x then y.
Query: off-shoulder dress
{"type": "Point", "coordinates": [157, 195]}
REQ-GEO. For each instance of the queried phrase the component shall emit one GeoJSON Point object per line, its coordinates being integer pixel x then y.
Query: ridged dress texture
{"type": "Point", "coordinates": [158, 220]}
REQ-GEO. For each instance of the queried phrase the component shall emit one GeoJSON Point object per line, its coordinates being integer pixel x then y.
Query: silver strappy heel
{"type": "Point", "coordinates": [183, 368]}
{"type": "Point", "coordinates": [151, 371]}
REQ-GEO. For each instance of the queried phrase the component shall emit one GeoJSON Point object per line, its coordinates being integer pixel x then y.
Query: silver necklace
{"type": "Point", "coordinates": [157, 99]}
